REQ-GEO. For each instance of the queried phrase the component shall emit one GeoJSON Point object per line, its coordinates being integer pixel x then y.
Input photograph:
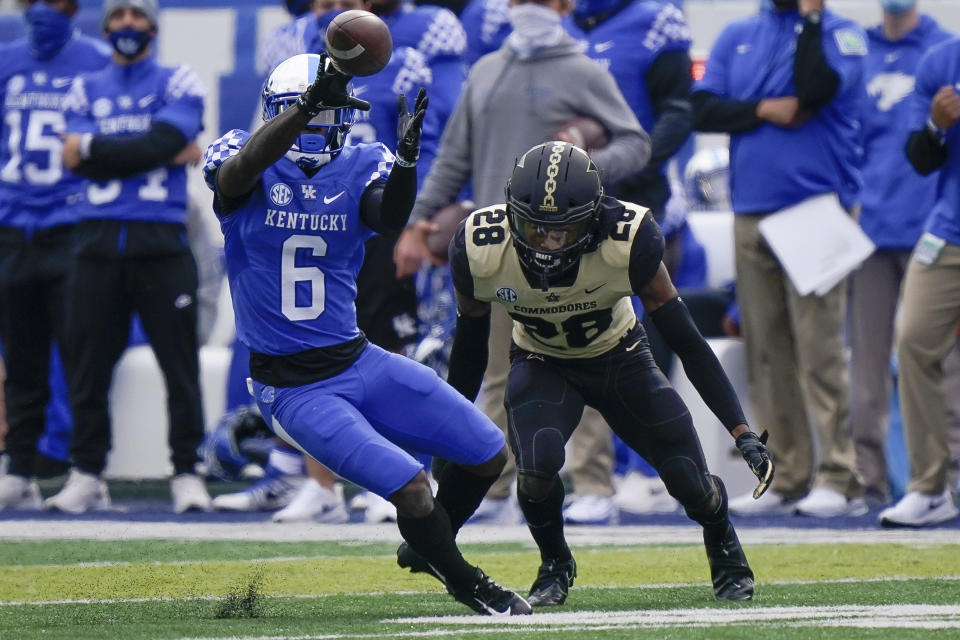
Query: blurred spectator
{"type": "Point", "coordinates": [131, 131]}
{"type": "Point", "coordinates": [645, 47]}
{"type": "Point", "coordinates": [305, 33]}
{"type": "Point", "coordinates": [929, 308]}
{"type": "Point", "coordinates": [487, 24]}
{"type": "Point", "coordinates": [895, 204]}
{"type": "Point", "coordinates": [512, 102]}
{"type": "Point", "coordinates": [37, 216]}
{"type": "Point", "coordinates": [786, 84]}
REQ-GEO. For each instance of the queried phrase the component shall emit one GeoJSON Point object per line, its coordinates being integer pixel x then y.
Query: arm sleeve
{"type": "Point", "coordinates": [722, 115]}
{"type": "Point", "coordinates": [385, 206]}
{"type": "Point", "coordinates": [124, 156]}
{"type": "Point", "coordinates": [469, 353]}
{"type": "Point", "coordinates": [925, 153]}
{"type": "Point", "coordinates": [668, 84]}
{"type": "Point", "coordinates": [815, 80]}
{"type": "Point", "coordinates": [699, 362]}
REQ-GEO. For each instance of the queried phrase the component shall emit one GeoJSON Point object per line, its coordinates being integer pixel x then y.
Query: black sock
{"type": "Point", "coordinates": [545, 520]}
{"type": "Point", "coordinates": [460, 492]}
{"type": "Point", "coordinates": [432, 538]}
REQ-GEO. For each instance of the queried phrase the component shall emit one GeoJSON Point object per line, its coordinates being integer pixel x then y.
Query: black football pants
{"type": "Point", "coordinates": [545, 399]}
{"type": "Point", "coordinates": [32, 311]}
{"type": "Point", "coordinates": [104, 294]}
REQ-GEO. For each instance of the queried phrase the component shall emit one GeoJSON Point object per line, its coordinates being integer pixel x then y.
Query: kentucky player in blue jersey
{"type": "Point", "coordinates": [487, 25]}
{"type": "Point", "coordinates": [296, 205]}
{"type": "Point", "coordinates": [37, 215]}
{"type": "Point", "coordinates": [131, 129]}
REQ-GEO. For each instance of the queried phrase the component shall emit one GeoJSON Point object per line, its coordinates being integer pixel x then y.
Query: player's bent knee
{"type": "Point", "coordinates": [414, 499]}
{"type": "Point", "coordinates": [534, 487]}
{"type": "Point", "coordinates": [685, 480]}
{"type": "Point", "coordinates": [491, 467]}
{"type": "Point", "coordinates": [712, 507]}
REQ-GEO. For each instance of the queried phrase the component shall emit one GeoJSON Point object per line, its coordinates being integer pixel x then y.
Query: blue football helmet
{"type": "Point", "coordinates": [326, 133]}
{"type": "Point", "coordinates": [241, 438]}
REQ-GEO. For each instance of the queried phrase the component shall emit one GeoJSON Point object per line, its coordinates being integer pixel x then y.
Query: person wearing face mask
{"type": "Point", "coordinates": [131, 130]}
{"type": "Point", "coordinates": [786, 84]}
{"type": "Point", "coordinates": [896, 201]}
{"type": "Point", "coordinates": [514, 99]}
{"type": "Point", "coordinates": [37, 218]}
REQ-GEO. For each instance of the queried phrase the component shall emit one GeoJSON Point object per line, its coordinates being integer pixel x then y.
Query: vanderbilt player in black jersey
{"type": "Point", "coordinates": [564, 260]}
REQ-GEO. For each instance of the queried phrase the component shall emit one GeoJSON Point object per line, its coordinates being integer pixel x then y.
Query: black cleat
{"type": "Point", "coordinates": [554, 580]}
{"type": "Point", "coordinates": [407, 558]}
{"type": "Point", "coordinates": [488, 598]}
{"type": "Point", "coordinates": [731, 575]}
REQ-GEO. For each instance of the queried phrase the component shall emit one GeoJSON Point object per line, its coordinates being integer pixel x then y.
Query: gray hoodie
{"type": "Point", "coordinates": [509, 105]}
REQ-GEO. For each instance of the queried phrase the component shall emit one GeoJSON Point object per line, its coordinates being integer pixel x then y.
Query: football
{"type": "Point", "coordinates": [358, 43]}
{"type": "Point", "coordinates": [583, 132]}
{"type": "Point", "coordinates": [447, 221]}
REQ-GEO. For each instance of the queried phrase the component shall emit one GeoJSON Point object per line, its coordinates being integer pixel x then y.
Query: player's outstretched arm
{"type": "Point", "coordinates": [671, 317]}
{"type": "Point", "coordinates": [240, 174]}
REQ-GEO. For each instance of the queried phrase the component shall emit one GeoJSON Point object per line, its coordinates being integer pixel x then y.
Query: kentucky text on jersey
{"type": "Point", "coordinates": [304, 221]}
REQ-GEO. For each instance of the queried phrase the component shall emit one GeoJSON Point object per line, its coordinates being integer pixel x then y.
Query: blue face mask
{"type": "Point", "coordinates": [897, 6]}
{"type": "Point", "coordinates": [47, 28]}
{"type": "Point", "coordinates": [130, 42]}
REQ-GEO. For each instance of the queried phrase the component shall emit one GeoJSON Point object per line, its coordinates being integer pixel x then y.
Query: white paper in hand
{"type": "Point", "coordinates": [817, 242]}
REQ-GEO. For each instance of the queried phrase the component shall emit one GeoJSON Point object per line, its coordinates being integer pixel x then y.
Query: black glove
{"type": "Point", "coordinates": [328, 91]}
{"type": "Point", "coordinates": [409, 128]}
{"type": "Point", "coordinates": [758, 459]}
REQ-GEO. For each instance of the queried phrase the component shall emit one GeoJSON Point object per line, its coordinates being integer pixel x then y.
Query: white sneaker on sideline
{"type": "Point", "coordinates": [639, 493]}
{"type": "Point", "coordinates": [317, 503]}
{"type": "Point", "coordinates": [189, 491]}
{"type": "Point", "coordinates": [770, 503]}
{"type": "Point", "coordinates": [82, 491]}
{"type": "Point", "coordinates": [379, 509]}
{"type": "Point", "coordinates": [823, 502]}
{"type": "Point", "coordinates": [918, 509]}
{"type": "Point", "coordinates": [591, 509]}
{"type": "Point", "coordinates": [267, 494]}
{"type": "Point", "coordinates": [17, 492]}
{"type": "Point", "coordinates": [497, 511]}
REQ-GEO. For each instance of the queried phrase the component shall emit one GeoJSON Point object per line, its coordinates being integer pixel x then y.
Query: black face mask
{"type": "Point", "coordinates": [785, 5]}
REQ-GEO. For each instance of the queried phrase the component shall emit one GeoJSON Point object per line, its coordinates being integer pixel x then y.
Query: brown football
{"type": "Point", "coordinates": [358, 43]}
{"type": "Point", "coordinates": [447, 221]}
{"type": "Point", "coordinates": [583, 132]}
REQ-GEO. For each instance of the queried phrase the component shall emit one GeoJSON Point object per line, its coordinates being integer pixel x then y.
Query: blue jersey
{"type": "Point", "coordinates": [124, 100]}
{"type": "Point", "coordinates": [406, 73]}
{"type": "Point", "coordinates": [34, 188]}
{"type": "Point", "coordinates": [941, 67]}
{"type": "Point", "coordinates": [896, 199]}
{"type": "Point", "coordinates": [772, 167]}
{"type": "Point", "coordinates": [627, 44]}
{"type": "Point", "coordinates": [487, 25]}
{"type": "Point", "coordinates": [437, 34]}
{"type": "Point", "coordinates": [294, 249]}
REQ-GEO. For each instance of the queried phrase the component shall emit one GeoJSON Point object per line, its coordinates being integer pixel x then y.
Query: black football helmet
{"type": "Point", "coordinates": [552, 202]}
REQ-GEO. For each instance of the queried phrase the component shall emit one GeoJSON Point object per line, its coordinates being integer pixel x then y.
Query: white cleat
{"type": "Point", "coordinates": [823, 502]}
{"type": "Point", "coordinates": [17, 492]}
{"type": "Point", "coordinates": [379, 509]}
{"type": "Point", "coordinates": [592, 509]}
{"type": "Point", "coordinates": [918, 509]}
{"type": "Point", "coordinates": [314, 502]}
{"type": "Point", "coordinates": [497, 511]}
{"type": "Point", "coordinates": [82, 492]}
{"type": "Point", "coordinates": [639, 493]}
{"type": "Point", "coordinates": [267, 494]}
{"type": "Point", "coordinates": [770, 503]}
{"type": "Point", "coordinates": [189, 491]}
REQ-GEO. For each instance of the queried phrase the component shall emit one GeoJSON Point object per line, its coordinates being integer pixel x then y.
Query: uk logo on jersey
{"type": "Point", "coordinates": [308, 191]}
{"type": "Point", "coordinates": [281, 194]}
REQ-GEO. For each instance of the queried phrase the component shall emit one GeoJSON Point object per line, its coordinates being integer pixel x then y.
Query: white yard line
{"type": "Point", "coordinates": [577, 535]}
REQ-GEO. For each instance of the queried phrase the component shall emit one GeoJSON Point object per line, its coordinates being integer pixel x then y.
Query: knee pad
{"type": "Point", "coordinates": [711, 508]}
{"type": "Point", "coordinates": [534, 487]}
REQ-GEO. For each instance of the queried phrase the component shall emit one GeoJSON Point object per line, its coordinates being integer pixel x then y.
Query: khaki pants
{"type": "Point", "coordinates": [592, 445]}
{"type": "Point", "coordinates": [874, 290]}
{"type": "Point", "coordinates": [796, 370]}
{"type": "Point", "coordinates": [926, 332]}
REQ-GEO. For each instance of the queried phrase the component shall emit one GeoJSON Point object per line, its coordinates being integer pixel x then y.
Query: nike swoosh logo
{"type": "Point", "coordinates": [589, 291]}
{"type": "Point", "coordinates": [328, 200]}
{"type": "Point", "coordinates": [600, 47]}
{"type": "Point", "coordinates": [633, 346]}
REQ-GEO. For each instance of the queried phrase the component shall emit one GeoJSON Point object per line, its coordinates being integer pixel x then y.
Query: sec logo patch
{"type": "Point", "coordinates": [507, 294]}
{"type": "Point", "coordinates": [281, 194]}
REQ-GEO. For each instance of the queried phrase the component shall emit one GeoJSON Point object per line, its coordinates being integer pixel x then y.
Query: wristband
{"type": "Point", "coordinates": [936, 132]}
{"type": "Point", "coordinates": [85, 141]}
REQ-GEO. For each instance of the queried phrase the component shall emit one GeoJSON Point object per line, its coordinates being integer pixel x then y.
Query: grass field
{"type": "Point", "coordinates": [174, 589]}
